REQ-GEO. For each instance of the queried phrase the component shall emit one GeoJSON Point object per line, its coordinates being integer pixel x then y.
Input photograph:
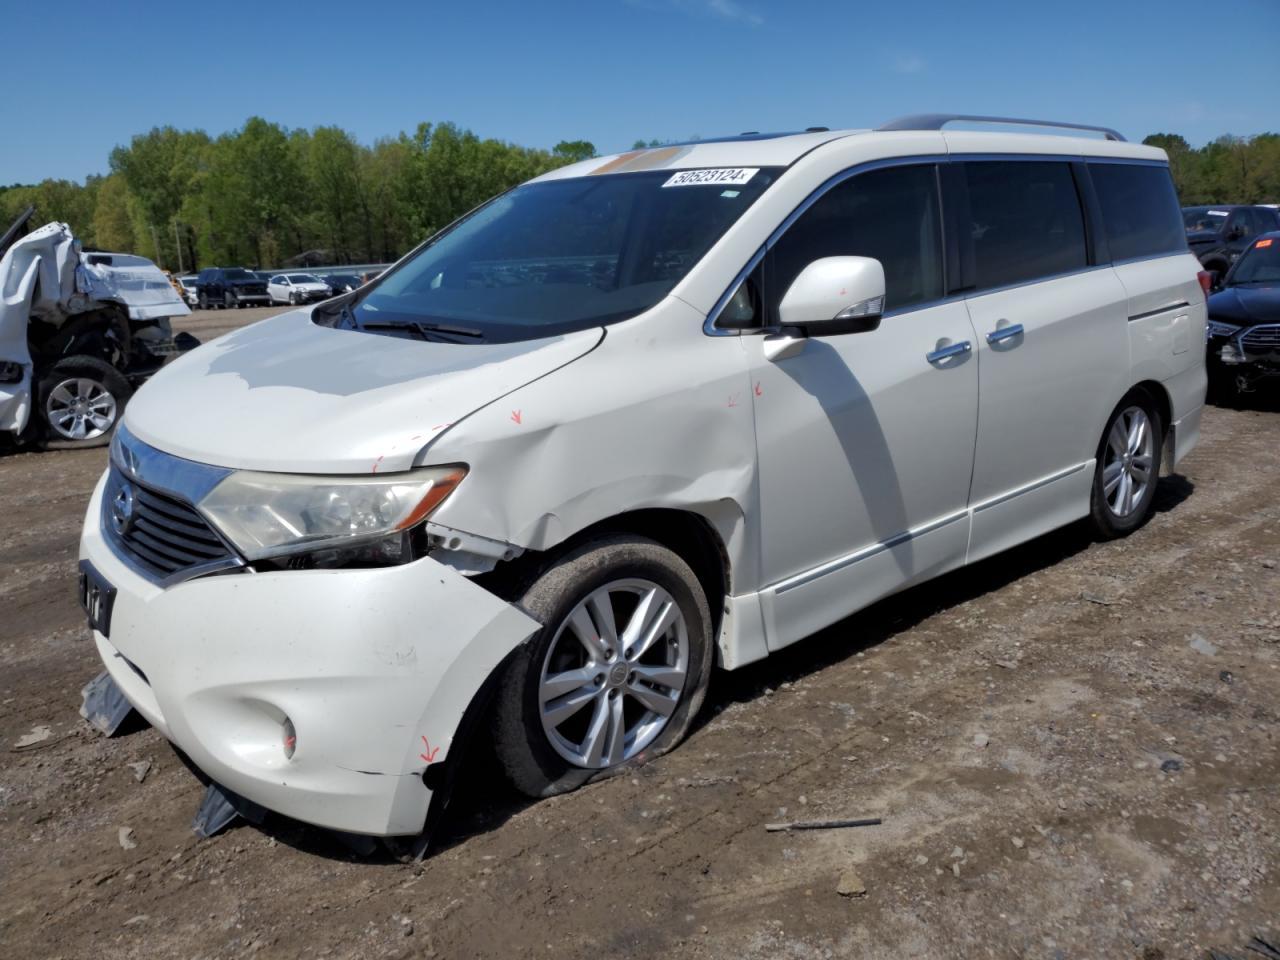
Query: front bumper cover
{"type": "Point", "coordinates": [374, 668]}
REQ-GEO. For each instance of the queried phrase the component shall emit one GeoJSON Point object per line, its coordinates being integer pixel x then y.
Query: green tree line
{"type": "Point", "coordinates": [263, 194]}
{"type": "Point", "coordinates": [1228, 170]}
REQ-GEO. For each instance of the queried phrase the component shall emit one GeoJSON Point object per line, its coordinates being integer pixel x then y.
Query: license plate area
{"type": "Point", "coordinates": [96, 597]}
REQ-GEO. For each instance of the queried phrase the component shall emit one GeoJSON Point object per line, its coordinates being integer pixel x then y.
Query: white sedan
{"type": "Point", "coordinates": [297, 288]}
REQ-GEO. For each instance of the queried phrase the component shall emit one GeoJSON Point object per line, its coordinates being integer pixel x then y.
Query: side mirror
{"type": "Point", "coordinates": [1235, 233]}
{"type": "Point", "coordinates": [1215, 279]}
{"type": "Point", "coordinates": [835, 295]}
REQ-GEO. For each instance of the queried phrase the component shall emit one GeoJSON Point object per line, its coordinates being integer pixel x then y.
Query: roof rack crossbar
{"type": "Point", "coordinates": [936, 121]}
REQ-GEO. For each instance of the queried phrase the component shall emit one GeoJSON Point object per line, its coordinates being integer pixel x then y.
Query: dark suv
{"type": "Point", "coordinates": [1244, 321]}
{"type": "Point", "coordinates": [230, 287]}
{"type": "Point", "coordinates": [1219, 234]}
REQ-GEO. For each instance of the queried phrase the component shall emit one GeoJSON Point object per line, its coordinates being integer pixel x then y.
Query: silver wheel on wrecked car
{"type": "Point", "coordinates": [81, 400]}
{"type": "Point", "coordinates": [613, 674]}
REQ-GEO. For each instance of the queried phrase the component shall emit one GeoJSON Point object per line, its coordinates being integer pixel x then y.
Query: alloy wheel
{"type": "Point", "coordinates": [80, 408]}
{"type": "Point", "coordinates": [614, 673]}
{"type": "Point", "coordinates": [1126, 472]}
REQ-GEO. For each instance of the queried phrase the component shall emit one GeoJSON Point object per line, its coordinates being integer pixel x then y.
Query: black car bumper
{"type": "Point", "coordinates": [1230, 362]}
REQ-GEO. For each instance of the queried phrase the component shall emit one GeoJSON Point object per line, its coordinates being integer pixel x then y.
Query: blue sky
{"type": "Point", "coordinates": [611, 71]}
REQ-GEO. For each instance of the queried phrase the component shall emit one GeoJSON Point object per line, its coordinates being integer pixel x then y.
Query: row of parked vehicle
{"type": "Point", "coordinates": [1240, 247]}
{"type": "Point", "coordinates": [228, 287]}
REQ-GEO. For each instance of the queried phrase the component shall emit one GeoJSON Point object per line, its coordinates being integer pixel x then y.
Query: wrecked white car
{"type": "Point", "coordinates": [79, 331]}
{"type": "Point", "coordinates": [644, 415]}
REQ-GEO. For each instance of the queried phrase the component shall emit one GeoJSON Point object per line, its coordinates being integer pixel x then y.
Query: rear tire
{"type": "Point", "coordinates": [81, 395]}
{"type": "Point", "coordinates": [203, 302]}
{"type": "Point", "coordinates": [1128, 467]}
{"type": "Point", "coordinates": [626, 643]}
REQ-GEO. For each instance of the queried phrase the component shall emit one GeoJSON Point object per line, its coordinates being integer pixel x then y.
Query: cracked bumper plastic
{"type": "Point", "coordinates": [365, 664]}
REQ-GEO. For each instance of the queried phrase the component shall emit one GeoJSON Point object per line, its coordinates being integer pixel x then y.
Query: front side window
{"type": "Point", "coordinates": [889, 214]}
{"type": "Point", "coordinates": [1240, 225]}
{"type": "Point", "coordinates": [1139, 210]}
{"type": "Point", "coordinates": [563, 255]}
{"type": "Point", "coordinates": [1195, 219]}
{"type": "Point", "coordinates": [1026, 221]}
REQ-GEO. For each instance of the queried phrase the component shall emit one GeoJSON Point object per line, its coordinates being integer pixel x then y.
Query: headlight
{"type": "Point", "coordinates": [274, 514]}
{"type": "Point", "coordinates": [1218, 329]}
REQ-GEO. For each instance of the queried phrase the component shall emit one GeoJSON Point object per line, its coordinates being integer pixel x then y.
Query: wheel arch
{"type": "Point", "coordinates": [1159, 395]}
{"type": "Point", "coordinates": [691, 535]}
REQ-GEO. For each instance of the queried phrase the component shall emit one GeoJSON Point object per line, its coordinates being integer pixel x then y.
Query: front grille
{"type": "Point", "coordinates": [1262, 339]}
{"type": "Point", "coordinates": [160, 534]}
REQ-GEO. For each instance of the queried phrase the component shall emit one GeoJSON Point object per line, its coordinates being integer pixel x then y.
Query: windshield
{"type": "Point", "coordinates": [1259, 264]}
{"type": "Point", "coordinates": [1204, 218]}
{"type": "Point", "coordinates": [236, 273]}
{"type": "Point", "coordinates": [302, 278]}
{"type": "Point", "coordinates": [563, 255]}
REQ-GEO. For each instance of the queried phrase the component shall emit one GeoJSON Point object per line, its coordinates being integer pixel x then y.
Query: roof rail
{"type": "Point", "coordinates": [936, 121]}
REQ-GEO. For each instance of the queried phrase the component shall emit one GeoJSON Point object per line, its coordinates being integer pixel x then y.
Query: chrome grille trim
{"type": "Point", "coordinates": [165, 539]}
{"type": "Point", "coordinates": [1263, 338]}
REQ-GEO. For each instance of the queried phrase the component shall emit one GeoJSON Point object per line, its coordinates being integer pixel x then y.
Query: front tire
{"type": "Point", "coordinates": [81, 401]}
{"type": "Point", "coordinates": [1128, 467]}
{"type": "Point", "coordinates": [617, 673]}
{"type": "Point", "coordinates": [228, 300]}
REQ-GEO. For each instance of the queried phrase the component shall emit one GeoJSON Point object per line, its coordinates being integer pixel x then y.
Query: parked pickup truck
{"type": "Point", "coordinates": [230, 287]}
{"type": "Point", "coordinates": [1219, 234]}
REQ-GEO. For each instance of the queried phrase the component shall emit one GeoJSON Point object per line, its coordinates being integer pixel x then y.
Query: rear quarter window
{"type": "Point", "coordinates": [1139, 209]}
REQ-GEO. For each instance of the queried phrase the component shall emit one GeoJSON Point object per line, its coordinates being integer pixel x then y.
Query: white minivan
{"type": "Point", "coordinates": [642, 416]}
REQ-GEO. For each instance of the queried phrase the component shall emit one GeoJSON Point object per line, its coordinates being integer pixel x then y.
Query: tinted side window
{"type": "Point", "coordinates": [1239, 224]}
{"type": "Point", "coordinates": [1139, 209]}
{"type": "Point", "coordinates": [889, 214]}
{"type": "Point", "coordinates": [1026, 221]}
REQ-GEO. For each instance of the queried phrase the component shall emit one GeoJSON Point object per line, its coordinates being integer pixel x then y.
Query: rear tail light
{"type": "Point", "coordinates": [1206, 281]}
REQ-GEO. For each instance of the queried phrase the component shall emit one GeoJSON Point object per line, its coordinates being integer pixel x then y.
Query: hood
{"type": "Point", "coordinates": [1246, 306]}
{"type": "Point", "coordinates": [287, 395]}
{"type": "Point", "coordinates": [133, 282]}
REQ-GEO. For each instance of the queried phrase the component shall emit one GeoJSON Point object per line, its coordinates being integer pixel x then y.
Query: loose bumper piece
{"type": "Point", "coordinates": [104, 704]}
{"type": "Point", "coordinates": [219, 808]}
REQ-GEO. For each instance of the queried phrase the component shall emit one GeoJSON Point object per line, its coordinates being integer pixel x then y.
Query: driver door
{"type": "Point", "coordinates": [865, 441]}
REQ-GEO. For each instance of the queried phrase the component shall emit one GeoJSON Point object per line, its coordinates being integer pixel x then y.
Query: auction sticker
{"type": "Point", "coordinates": [718, 176]}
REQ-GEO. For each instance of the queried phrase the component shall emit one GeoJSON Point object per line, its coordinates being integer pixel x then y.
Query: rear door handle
{"type": "Point", "coordinates": [951, 350]}
{"type": "Point", "coordinates": [1005, 333]}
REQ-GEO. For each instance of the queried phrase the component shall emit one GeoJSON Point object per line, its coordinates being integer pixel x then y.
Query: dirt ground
{"type": "Point", "coordinates": [1073, 747]}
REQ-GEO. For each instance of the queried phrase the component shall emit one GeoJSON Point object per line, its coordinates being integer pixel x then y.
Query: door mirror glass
{"type": "Point", "coordinates": [835, 295]}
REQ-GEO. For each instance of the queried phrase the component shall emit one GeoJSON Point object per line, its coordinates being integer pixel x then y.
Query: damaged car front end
{"type": "Point", "coordinates": [79, 332]}
{"type": "Point", "coordinates": [1243, 333]}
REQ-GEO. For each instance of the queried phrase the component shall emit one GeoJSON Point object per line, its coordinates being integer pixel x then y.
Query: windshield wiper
{"type": "Point", "coordinates": [446, 332]}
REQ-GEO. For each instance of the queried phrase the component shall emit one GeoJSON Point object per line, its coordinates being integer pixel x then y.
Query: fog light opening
{"type": "Point", "coordinates": [290, 739]}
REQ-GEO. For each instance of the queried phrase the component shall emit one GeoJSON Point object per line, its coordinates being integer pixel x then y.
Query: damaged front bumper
{"type": "Point", "coordinates": [1242, 361]}
{"type": "Point", "coordinates": [369, 670]}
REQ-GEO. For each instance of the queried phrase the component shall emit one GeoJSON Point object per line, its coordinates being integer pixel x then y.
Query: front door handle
{"type": "Point", "coordinates": [950, 350]}
{"type": "Point", "coordinates": [1005, 333]}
